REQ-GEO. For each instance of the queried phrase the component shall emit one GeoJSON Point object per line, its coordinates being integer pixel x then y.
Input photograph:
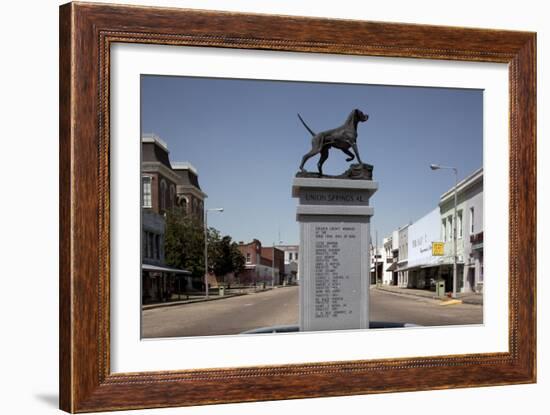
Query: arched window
{"type": "Point", "coordinates": [163, 194]}
{"type": "Point", "coordinates": [183, 203]}
{"type": "Point", "coordinates": [172, 195]}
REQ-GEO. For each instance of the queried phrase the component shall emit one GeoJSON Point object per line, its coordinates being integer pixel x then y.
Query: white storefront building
{"type": "Point", "coordinates": [469, 232]}
{"type": "Point", "coordinates": [291, 274]}
{"type": "Point", "coordinates": [422, 266]}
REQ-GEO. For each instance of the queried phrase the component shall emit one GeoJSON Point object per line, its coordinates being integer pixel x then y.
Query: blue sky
{"type": "Point", "coordinates": [245, 140]}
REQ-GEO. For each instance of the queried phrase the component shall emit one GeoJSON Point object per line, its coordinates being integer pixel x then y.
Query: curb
{"type": "Point", "coordinates": [472, 302]}
{"type": "Point", "coordinates": [408, 294]}
{"type": "Point", "coordinates": [450, 302]}
{"type": "Point", "coordinates": [443, 299]}
{"type": "Point", "coordinates": [183, 302]}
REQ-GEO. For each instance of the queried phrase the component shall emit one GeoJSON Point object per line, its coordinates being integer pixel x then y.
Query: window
{"type": "Point", "coordinates": [248, 257]}
{"type": "Point", "coordinates": [459, 224]}
{"type": "Point", "coordinates": [290, 256]}
{"type": "Point", "coordinates": [472, 220]}
{"type": "Point", "coordinates": [444, 230]}
{"type": "Point", "coordinates": [183, 203]}
{"type": "Point", "coordinates": [296, 256]}
{"type": "Point", "coordinates": [162, 194]}
{"type": "Point", "coordinates": [172, 195]}
{"type": "Point", "coordinates": [146, 180]}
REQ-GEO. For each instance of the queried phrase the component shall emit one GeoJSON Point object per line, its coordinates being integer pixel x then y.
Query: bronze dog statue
{"type": "Point", "coordinates": [341, 138]}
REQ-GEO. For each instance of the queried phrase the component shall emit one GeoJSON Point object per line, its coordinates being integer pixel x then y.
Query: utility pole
{"type": "Point", "coordinates": [455, 253]}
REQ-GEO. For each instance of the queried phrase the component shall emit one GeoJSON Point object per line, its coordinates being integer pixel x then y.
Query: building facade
{"type": "Point", "coordinates": [407, 254]}
{"type": "Point", "coordinates": [403, 256]}
{"type": "Point", "coordinates": [189, 195]}
{"type": "Point", "coordinates": [263, 265]}
{"type": "Point", "coordinates": [291, 274]}
{"type": "Point", "coordinates": [377, 262]}
{"type": "Point", "coordinates": [157, 177]}
{"type": "Point", "coordinates": [387, 261]}
{"type": "Point", "coordinates": [161, 191]}
{"type": "Point", "coordinates": [469, 233]}
{"type": "Point", "coordinates": [422, 265]}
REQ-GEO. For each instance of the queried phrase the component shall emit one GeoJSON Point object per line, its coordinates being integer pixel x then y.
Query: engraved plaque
{"type": "Point", "coordinates": [334, 254]}
{"type": "Point", "coordinates": [337, 275]}
{"type": "Point", "coordinates": [334, 197]}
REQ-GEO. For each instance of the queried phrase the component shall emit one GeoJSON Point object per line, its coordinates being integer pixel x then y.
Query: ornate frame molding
{"type": "Point", "coordinates": [86, 33]}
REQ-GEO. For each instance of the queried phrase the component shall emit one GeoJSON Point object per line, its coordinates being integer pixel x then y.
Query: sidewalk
{"type": "Point", "coordinates": [199, 298]}
{"type": "Point", "coordinates": [466, 298]}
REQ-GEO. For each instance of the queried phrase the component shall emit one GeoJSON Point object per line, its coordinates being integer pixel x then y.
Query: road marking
{"type": "Point", "coordinates": [450, 302]}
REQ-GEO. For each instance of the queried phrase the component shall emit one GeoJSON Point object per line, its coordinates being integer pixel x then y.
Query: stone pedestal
{"type": "Point", "coordinates": [334, 266]}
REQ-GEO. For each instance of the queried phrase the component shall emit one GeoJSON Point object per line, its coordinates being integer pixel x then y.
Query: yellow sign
{"type": "Point", "coordinates": [438, 248]}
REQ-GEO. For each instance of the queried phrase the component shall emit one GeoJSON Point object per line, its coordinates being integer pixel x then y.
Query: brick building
{"type": "Point", "coordinates": [189, 194]}
{"type": "Point", "coordinates": [259, 264]}
{"type": "Point", "coordinates": [163, 187]}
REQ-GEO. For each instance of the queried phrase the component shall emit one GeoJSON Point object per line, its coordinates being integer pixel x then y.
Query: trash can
{"type": "Point", "coordinates": [221, 290]}
{"type": "Point", "coordinates": [440, 288]}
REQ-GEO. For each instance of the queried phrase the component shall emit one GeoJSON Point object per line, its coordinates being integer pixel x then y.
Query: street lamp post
{"type": "Point", "coordinates": [206, 246]}
{"type": "Point", "coordinates": [455, 257]}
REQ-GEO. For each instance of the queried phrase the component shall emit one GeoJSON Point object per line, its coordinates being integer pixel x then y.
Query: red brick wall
{"type": "Point", "coordinates": [195, 206]}
{"type": "Point", "coordinates": [253, 248]}
{"type": "Point", "coordinates": [155, 192]}
{"type": "Point", "coordinates": [267, 258]}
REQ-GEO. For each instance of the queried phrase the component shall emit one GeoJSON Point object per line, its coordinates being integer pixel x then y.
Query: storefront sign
{"type": "Point", "coordinates": [438, 248]}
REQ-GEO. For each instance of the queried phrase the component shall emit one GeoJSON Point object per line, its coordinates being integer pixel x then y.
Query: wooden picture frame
{"type": "Point", "coordinates": [86, 33]}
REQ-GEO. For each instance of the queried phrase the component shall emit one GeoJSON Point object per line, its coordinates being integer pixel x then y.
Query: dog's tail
{"type": "Point", "coordinates": [305, 125]}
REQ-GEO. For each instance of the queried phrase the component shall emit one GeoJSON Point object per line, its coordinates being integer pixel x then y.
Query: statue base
{"type": "Point", "coordinates": [333, 266]}
{"type": "Point", "coordinates": [355, 172]}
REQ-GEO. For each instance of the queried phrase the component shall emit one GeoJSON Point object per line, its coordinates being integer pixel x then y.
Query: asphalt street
{"type": "Point", "coordinates": [225, 316]}
{"type": "Point", "coordinates": [280, 307]}
{"type": "Point", "coordinates": [390, 307]}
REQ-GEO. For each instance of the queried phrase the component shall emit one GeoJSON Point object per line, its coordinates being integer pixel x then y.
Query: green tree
{"type": "Point", "coordinates": [184, 242]}
{"type": "Point", "coordinates": [184, 246]}
{"type": "Point", "coordinates": [226, 257]}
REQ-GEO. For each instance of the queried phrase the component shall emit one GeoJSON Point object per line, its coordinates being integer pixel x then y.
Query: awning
{"type": "Point", "coordinates": [392, 267]}
{"type": "Point", "coordinates": [164, 268]}
{"type": "Point", "coordinates": [419, 266]}
{"type": "Point", "coordinates": [427, 265]}
{"type": "Point", "coordinates": [407, 268]}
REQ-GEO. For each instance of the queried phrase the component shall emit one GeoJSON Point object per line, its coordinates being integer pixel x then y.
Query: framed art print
{"type": "Point", "coordinates": [260, 207]}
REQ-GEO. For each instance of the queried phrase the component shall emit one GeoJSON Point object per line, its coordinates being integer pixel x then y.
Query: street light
{"type": "Point", "coordinates": [438, 167]}
{"type": "Point", "coordinates": [206, 245]}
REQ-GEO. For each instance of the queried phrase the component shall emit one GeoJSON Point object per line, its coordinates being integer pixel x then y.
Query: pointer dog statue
{"type": "Point", "coordinates": [341, 138]}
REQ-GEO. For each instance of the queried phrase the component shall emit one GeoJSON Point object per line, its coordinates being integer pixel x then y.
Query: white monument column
{"type": "Point", "coordinates": [334, 264]}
